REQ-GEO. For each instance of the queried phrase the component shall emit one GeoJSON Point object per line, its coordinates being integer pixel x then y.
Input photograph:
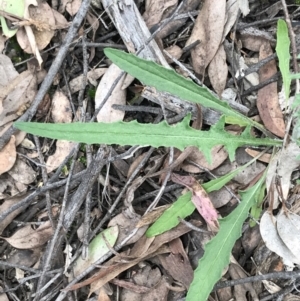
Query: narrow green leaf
{"type": "Point", "coordinates": [180, 135]}
{"type": "Point", "coordinates": [283, 53]}
{"type": "Point", "coordinates": [295, 76]}
{"type": "Point", "coordinates": [256, 209]}
{"type": "Point", "coordinates": [184, 207]}
{"type": "Point", "coordinates": [217, 251]}
{"type": "Point", "coordinates": [167, 80]}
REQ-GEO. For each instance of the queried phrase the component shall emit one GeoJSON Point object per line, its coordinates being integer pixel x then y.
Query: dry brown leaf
{"type": "Point", "coordinates": [208, 29]}
{"type": "Point", "coordinates": [232, 10]}
{"type": "Point", "coordinates": [118, 96]}
{"type": "Point", "coordinates": [175, 52]}
{"type": "Point", "coordinates": [28, 238]}
{"type": "Point", "coordinates": [72, 6]}
{"type": "Point", "coordinates": [155, 10]}
{"type": "Point", "coordinates": [267, 97]}
{"type": "Point", "coordinates": [152, 216]}
{"type": "Point", "coordinates": [127, 222]}
{"type": "Point", "coordinates": [17, 96]}
{"type": "Point", "coordinates": [63, 148]}
{"type": "Point", "coordinates": [26, 257]}
{"type": "Point", "coordinates": [263, 158]}
{"type": "Point", "coordinates": [6, 205]}
{"type": "Point", "coordinates": [114, 267]}
{"type": "Point", "coordinates": [218, 153]}
{"type": "Point", "coordinates": [8, 156]}
{"type": "Point", "coordinates": [21, 172]}
{"type": "Point", "coordinates": [102, 296]}
{"type": "Point", "coordinates": [61, 110]}
{"type": "Point", "coordinates": [253, 38]}
{"type": "Point", "coordinates": [177, 263]}
{"type": "Point", "coordinates": [218, 71]}
{"type": "Point", "coordinates": [76, 83]}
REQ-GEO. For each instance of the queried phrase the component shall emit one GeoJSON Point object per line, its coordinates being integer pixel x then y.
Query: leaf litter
{"type": "Point", "coordinates": [197, 35]}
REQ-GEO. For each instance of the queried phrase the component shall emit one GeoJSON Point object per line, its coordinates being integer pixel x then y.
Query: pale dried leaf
{"type": "Point", "coordinates": [28, 238]}
{"type": "Point", "coordinates": [21, 172]}
{"type": "Point", "coordinates": [72, 7]}
{"type": "Point", "coordinates": [218, 153]}
{"type": "Point", "coordinates": [288, 227]}
{"type": "Point", "coordinates": [155, 10]}
{"type": "Point", "coordinates": [76, 83]}
{"type": "Point", "coordinates": [63, 148]}
{"type": "Point", "coordinates": [244, 7]}
{"type": "Point", "coordinates": [208, 29]}
{"type": "Point", "coordinates": [118, 96]}
{"type": "Point", "coordinates": [60, 20]}
{"type": "Point", "coordinates": [61, 110]}
{"type": "Point", "coordinates": [283, 164]}
{"type": "Point", "coordinates": [232, 10]}
{"type": "Point", "coordinates": [218, 71]}
{"type": "Point", "coordinates": [267, 97]}
{"type": "Point", "coordinates": [17, 96]}
{"type": "Point", "coordinates": [273, 241]}
{"type": "Point", "coordinates": [8, 156]}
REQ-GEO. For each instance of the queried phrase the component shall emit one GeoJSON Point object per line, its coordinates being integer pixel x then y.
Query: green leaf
{"type": "Point", "coordinates": [283, 53]}
{"type": "Point", "coordinates": [184, 207]}
{"type": "Point", "coordinates": [217, 251]}
{"type": "Point", "coordinates": [256, 209]}
{"type": "Point", "coordinates": [295, 76]}
{"type": "Point", "coordinates": [167, 80]}
{"type": "Point", "coordinates": [180, 135]}
{"type": "Point", "coordinates": [97, 249]}
{"type": "Point", "coordinates": [16, 7]}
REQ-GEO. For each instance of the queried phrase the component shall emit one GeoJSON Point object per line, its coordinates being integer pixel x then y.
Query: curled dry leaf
{"type": "Point", "coordinates": [8, 156]}
{"type": "Point", "coordinates": [208, 29]}
{"type": "Point", "coordinates": [267, 97]}
{"type": "Point", "coordinates": [200, 199]}
{"type": "Point", "coordinates": [72, 6]}
{"type": "Point", "coordinates": [61, 108]}
{"type": "Point", "coordinates": [218, 71]}
{"type": "Point", "coordinates": [118, 96]}
{"type": "Point", "coordinates": [28, 238]}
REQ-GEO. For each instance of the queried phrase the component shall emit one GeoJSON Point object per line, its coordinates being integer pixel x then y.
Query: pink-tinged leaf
{"type": "Point", "coordinates": [200, 199]}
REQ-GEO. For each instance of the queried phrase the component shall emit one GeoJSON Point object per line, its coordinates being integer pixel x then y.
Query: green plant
{"type": "Point", "coordinates": [180, 136]}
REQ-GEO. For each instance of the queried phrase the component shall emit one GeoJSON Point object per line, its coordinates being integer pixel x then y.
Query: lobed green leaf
{"type": "Point", "coordinates": [180, 135]}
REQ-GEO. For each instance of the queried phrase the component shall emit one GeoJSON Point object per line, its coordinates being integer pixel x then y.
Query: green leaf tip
{"type": "Point", "coordinates": [168, 80]}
